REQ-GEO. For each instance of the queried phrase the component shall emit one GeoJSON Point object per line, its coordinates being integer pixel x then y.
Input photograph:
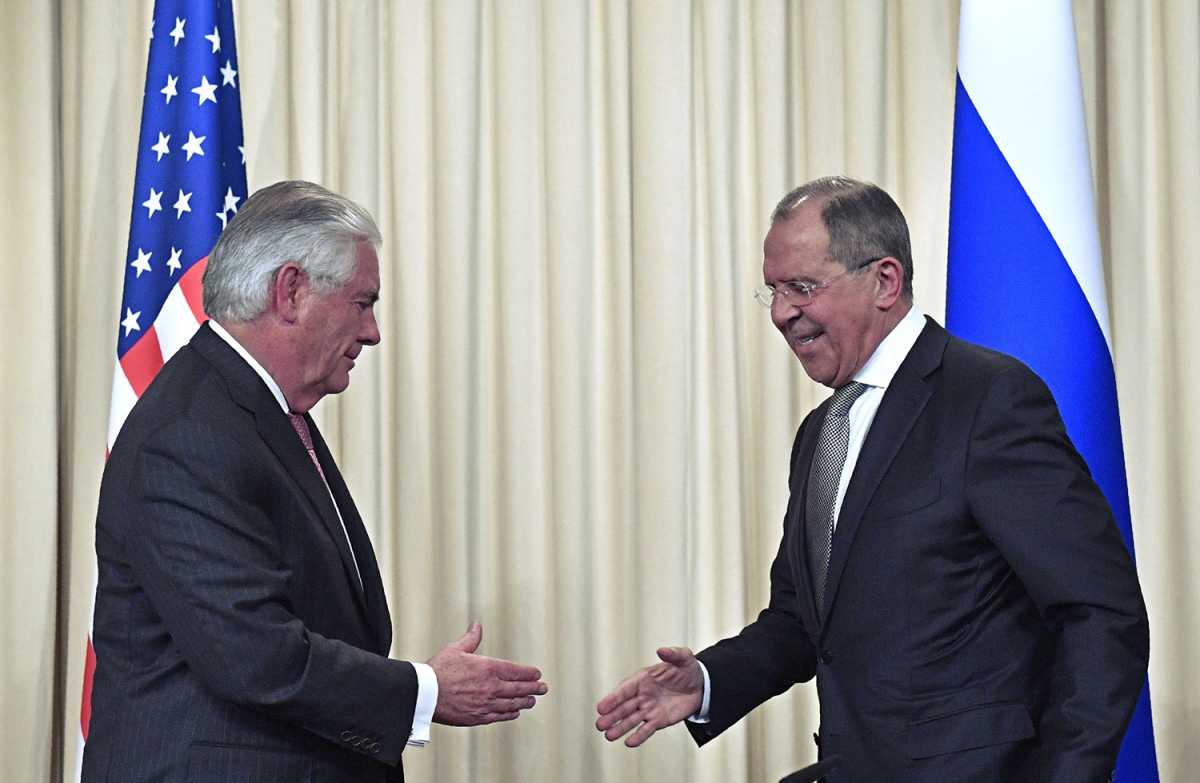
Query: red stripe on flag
{"type": "Point", "coordinates": [89, 671]}
{"type": "Point", "coordinates": [191, 284]}
{"type": "Point", "coordinates": [142, 362]}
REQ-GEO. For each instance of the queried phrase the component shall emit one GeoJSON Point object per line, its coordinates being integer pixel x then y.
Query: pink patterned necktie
{"type": "Point", "coordinates": [301, 428]}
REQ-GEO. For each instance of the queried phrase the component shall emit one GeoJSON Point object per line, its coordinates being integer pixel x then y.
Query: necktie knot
{"type": "Point", "coordinates": [843, 398]}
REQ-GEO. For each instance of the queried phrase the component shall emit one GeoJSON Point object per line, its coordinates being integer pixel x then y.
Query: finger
{"type": "Point", "coordinates": [512, 690]}
{"type": "Point", "coordinates": [500, 717]}
{"type": "Point", "coordinates": [515, 672]}
{"type": "Point", "coordinates": [469, 641]}
{"type": "Point", "coordinates": [644, 732]}
{"type": "Point", "coordinates": [617, 714]}
{"type": "Point", "coordinates": [622, 727]}
{"type": "Point", "coordinates": [511, 705]}
{"type": "Point", "coordinates": [677, 656]}
{"type": "Point", "coordinates": [628, 689]}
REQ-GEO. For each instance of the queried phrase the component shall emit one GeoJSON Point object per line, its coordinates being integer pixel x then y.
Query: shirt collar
{"type": "Point", "coordinates": [276, 392]}
{"type": "Point", "coordinates": [892, 350]}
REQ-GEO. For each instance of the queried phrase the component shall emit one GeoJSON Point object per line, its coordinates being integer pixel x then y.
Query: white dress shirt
{"type": "Point", "coordinates": [427, 685]}
{"type": "Point", "coordinates": [877, 374]}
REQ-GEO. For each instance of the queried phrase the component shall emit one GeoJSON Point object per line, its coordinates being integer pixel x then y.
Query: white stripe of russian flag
{"type": "Point", "coordinates": [1036, 75]}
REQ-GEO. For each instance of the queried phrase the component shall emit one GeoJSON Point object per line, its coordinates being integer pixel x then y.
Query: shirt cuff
{"type": "Point", "coordinates": [427, 694]}
{"type": "Point", "coordinates": [701, 715]}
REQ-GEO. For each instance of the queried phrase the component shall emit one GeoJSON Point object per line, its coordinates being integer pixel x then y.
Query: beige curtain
{"type": "Point", "coordinates": [576, 428]}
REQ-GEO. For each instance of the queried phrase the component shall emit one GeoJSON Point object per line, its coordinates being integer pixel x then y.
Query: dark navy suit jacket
{"type": "Point", "coordinates": [233, 639]}
{"type": "Point", "coordinates": [982, 619]}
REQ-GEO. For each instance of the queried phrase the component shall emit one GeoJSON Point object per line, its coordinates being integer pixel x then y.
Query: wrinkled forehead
{"type": "Point", "coordinates": [800, 240]}
{"type": "Point", "coordinates": [366, 268]}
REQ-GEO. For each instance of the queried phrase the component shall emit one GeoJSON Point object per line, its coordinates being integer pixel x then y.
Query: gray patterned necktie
{"type": "Point", "coordinates": [823, 481]}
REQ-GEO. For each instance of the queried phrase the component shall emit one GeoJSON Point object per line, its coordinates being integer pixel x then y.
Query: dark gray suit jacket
{"type": "Point", "coordinates": [233, 639]}
{"type": "Point", "coordinates": [982, 619]}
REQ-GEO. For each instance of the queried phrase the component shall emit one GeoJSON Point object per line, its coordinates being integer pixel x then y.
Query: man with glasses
{"type": "Point", "coordinates": [949, 572]}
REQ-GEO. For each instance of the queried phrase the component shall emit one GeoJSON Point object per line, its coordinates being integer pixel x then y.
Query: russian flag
{"type": "Point", "coordinates": [1025, 274]}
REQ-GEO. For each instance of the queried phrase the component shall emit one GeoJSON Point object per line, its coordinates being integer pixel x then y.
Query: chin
{"type": "Point", "coordinates": [818, 374]}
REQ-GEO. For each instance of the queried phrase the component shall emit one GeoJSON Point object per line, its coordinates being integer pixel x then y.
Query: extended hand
{"type": "Point", "coordinates": [474, 689]}
{"type": "Point", "coordinates": [655, 697]}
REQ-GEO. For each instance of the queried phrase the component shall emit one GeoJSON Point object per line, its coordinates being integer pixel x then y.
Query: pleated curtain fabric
{"type": "Point", "coordinates": [576, 428]}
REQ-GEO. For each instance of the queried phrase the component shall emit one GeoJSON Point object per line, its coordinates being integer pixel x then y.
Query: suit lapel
{"type": "Point", "coordinates": [372, 584]}
{"type": "Point", "coordinates": [276, 431]}
{"type": "Point", "coordinates": [902, 403]}
{"type": "Point", "coordinates": [278, 434]}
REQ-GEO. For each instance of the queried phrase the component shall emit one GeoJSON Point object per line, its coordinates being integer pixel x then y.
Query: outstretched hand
{"type": "Point", "coordinates": [474, 689]}
{"type": "Point", "coordinates": [653, 698]}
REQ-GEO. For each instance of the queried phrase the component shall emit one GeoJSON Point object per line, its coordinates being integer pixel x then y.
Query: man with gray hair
{"type": "Point", "coordinates": [949, 572]}
{"type": "Point", "coordinates": [241, 628]}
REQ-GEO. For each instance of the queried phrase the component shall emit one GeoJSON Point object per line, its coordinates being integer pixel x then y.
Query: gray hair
{"type": "Point", "coordinates": [293, 221]}
{"type": "Point", "coordinates": [862, 220]}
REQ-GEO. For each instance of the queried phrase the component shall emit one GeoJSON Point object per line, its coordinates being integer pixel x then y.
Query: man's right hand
{"type": "Point", "coordinates": [653, 698]}
{"type": "Point", "coordinates": [474, 689]}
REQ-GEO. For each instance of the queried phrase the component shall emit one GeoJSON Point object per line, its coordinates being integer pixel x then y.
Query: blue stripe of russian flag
{"type": "Point", "coordinates": [1011, 288]}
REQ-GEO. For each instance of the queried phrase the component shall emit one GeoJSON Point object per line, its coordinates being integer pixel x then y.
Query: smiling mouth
{"type": "Point", "coordinates": [800, 341]}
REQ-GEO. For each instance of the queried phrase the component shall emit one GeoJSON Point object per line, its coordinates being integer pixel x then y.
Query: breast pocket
{"type": "Point", "coordinates": [216, 761]}
{"type": "Point", "coordinates": [914, 498]}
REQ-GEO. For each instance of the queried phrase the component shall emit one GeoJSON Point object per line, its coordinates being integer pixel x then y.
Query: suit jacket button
{"type": "Point", "coordinates": [347, 735]}
{"type": "Point", "coordinates": [374, 747]}
{"type": "Point", "coordinates": [826, 657]}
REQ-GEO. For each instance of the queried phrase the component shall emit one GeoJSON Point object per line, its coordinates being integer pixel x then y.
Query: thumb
{"type": "Point", "coordinates": [469, 641]}
{"type": "Point", "coordinates": [676, 656]}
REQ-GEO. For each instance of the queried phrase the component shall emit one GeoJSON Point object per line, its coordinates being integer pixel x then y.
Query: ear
{"type": "Point", "coordinates": [889, 282]}
{"type": "Point", "coordinates": [289, 288]}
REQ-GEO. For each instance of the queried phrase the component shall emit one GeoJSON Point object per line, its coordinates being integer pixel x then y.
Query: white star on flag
{"type": "Point", "coordinates": [131, 321]}
{"type": "Point", "coordinates": [224, 219]}
{"type": "Point", "coordinates": [161, 147]}
{"type": "Point", "coordinates": [181, 204]}
{"type": "Point", "coordinates": [242, 150]}
{"type": "Point", "coordinates": [178, 33]}
{"type": "Point", "coordinates": [170, 90]}
{"type": "Point", "coordinates": [215, 40]}
{"type": "Point", "coordinates": [173, 262]}
{"type": "Point", "coordinates": [141, 263]}
{"type": "Point", "coordinates": [231, 200]}
{"type": "Point", "coordinates": [193, 145]}
{"type": "Point", "coordinates": [227, 74]}
{"type": "Point", "coordinates": [153, 204]}
{"type": "Point", "coordinates": [205, 91]}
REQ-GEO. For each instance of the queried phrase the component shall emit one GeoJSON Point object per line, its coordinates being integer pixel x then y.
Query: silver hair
{"type": "Point", "coordinates": [862, 221]}
{"type": "Point", "coordinates": [295, 221]}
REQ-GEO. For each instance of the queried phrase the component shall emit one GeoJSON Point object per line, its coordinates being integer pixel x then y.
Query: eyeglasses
{"type": "Point", "coordinates": [802, 292]}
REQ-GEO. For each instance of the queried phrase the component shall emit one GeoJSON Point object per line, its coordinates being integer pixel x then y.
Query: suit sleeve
{"type": "Point", "coordinates": [1034, 497]}
{"type": "Point", "coordinates": [768, 656]}
{"type": "Point", "coordinates": [208, 557]}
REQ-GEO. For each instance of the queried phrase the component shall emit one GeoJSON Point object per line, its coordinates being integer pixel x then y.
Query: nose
{"type": "Point", "coordinates": [369, 333]}
{"type": "Point", "coordinates": [784, 308]}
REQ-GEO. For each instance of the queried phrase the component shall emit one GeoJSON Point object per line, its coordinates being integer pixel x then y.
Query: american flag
{"type": "Point", "coordinates": [191, 177]}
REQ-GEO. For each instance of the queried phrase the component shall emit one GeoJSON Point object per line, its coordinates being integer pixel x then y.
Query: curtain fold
{"type": "Point", "coordinates": [576, 428]}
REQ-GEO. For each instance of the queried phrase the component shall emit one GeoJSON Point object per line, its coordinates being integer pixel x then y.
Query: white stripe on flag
{"type": "Point", "coordinates": [123, 399]}
{"type": "Point", "coordinates": [175, 324]}
{"type": "Point", "coordinates": [1035, 74]}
